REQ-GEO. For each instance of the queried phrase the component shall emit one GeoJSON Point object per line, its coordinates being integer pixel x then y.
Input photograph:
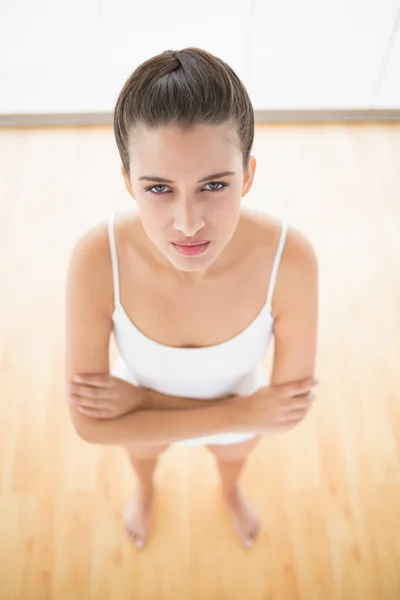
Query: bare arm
{"type": "Point", "coordinates": [153, 400]}
{"type": "Point", "coordinates": [165, 426]}
{"type": "Point", "coordinates": [296, 325]}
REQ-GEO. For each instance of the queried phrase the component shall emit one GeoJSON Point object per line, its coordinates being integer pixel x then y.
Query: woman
{"type": "Point", "coordinates": [186, 283]}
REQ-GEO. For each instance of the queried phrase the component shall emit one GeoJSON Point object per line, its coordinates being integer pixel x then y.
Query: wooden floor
{"type": "Point", "coordinates": [327, 492]}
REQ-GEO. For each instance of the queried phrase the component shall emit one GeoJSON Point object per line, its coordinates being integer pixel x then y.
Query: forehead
{"type": "Point", "coordinates": [201, 144]}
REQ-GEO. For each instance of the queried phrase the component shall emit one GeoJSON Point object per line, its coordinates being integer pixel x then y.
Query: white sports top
{"type": "Point", "coordinates": [232, 367]}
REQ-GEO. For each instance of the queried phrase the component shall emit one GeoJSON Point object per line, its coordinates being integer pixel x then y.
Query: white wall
{"type": "Point", "coordinates": [72, 56]}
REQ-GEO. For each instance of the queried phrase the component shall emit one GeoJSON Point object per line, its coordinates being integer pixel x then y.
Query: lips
{"type": "Point", "coordinates": [191, 249]}
{"type": "Point", "coordinates": [190, 243]}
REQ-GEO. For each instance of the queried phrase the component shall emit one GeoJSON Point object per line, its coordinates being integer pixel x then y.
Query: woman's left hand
{"type": "Point", "coordinates": [103, 396]}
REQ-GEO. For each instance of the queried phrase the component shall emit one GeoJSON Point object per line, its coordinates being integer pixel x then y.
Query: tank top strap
{"type": "Point", "coordinates": [114, 258]}
{"type": "Point", "coordinates": [277, 260]}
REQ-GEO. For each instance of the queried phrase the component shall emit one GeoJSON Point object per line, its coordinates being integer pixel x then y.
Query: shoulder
{"type": "Point", "coordinates": [92, 252]}
{"type": "Point", "coordinates": [262, 226]}
{"type": "Point", "coordinates": [91, 259]}
{"type": "Point", "coordinates": [298, 267]}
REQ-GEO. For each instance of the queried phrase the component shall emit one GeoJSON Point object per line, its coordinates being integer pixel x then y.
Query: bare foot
{"type": "Point", "coordinates": [244, 517]}
{"type": "Point", "coordinates": [137, 516]}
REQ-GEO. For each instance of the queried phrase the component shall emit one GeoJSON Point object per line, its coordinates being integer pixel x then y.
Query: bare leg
{"type": "Point", "coordinates": [231, 461]}
{"type": "Point", "coordinates": [243, 515]}
{"type": "Point", "coordinates": [137, 515]}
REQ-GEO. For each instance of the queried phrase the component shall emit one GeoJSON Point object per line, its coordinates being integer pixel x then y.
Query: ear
{"type": "Point", "coordinates": [249, 175]}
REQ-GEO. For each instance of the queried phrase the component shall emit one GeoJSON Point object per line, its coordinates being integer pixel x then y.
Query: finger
{"type": "Point", "coordinates": [304, 387]}
{"type": "Point", "coordinates": [96, 380]}
{"type": "Point", "coordinates": [299, 402]}
{"type": "Point", "coordinates": [93, 393]}
{"type": "Point", "coordinates": [94, 412]}
{"type": "Point", "coordinates": [300, 388]}
{"type": "Point", "coordinates": [85, 402]}
{"type": "Point", "coordinates": [297, 415]}
{"type": "Point", "coordinates": [303, 409]}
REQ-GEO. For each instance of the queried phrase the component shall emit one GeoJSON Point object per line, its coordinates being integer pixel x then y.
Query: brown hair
{"type": "Point", "coordinates": [183, 87]}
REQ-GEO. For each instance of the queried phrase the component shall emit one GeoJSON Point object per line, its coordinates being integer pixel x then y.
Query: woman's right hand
{"type": "Point", "coordinates": [278, 407]}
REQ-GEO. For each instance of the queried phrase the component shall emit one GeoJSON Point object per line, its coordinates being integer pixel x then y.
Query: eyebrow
{"type": "Point", "coordinates": [161, 180]}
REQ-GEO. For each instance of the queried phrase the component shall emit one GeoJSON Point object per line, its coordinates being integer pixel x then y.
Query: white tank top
{"type": "Point", "coordinates": [232, 367]}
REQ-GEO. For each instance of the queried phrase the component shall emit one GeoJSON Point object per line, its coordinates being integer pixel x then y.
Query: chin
{"type": "Point", "coordinates": [194, 269]}
{"type": "Point", "coordinates": [191, 265]}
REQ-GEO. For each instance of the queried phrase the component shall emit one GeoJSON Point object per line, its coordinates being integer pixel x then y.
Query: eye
{"type": "Point", "coordinates": [217, 183]}
{"type": "Point", "coordinates": [224, 185]}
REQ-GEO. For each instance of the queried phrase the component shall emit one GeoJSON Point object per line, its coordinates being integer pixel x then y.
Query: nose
{"type": "Point", "coordinates": [187, 219]}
